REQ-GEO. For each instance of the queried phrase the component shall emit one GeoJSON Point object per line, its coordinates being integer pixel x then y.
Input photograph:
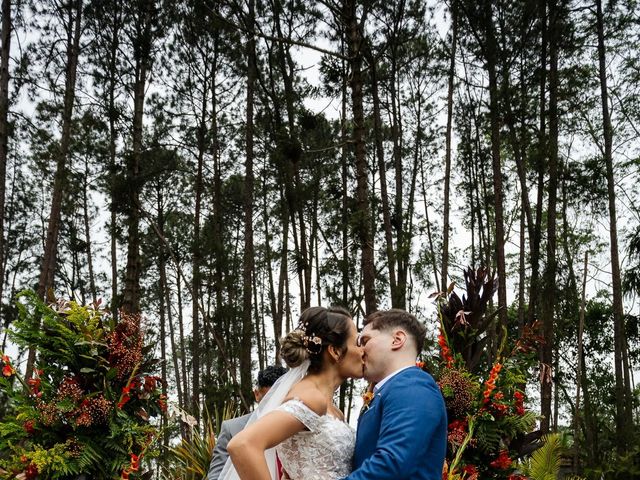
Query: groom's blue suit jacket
{"type": "Point", "coordinates": [403, 433]}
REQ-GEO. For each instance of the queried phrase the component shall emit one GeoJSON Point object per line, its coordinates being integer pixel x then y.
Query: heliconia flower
{"type": "Point", "coordinates": [135, 462]}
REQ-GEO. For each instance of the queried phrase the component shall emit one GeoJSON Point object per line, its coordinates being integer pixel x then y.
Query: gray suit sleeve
{"type": "Point", "coordinates": [220, 453]}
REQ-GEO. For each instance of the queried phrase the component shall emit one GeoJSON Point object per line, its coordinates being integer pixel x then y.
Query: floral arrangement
{"type": "Point", "coordinates": [489, 425]}
{"type": "Point", "coordinates": [88, 405]}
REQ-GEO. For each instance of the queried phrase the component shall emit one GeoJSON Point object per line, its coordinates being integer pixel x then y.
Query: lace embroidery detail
{"type": "Point", "coordinates": [324, 452]}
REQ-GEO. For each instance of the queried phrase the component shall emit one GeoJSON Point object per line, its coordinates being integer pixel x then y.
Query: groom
{"type": "Point", "coordinates": [403, 432]}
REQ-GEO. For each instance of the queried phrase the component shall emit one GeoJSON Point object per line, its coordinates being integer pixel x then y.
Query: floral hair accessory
{"type": "Point", "coordinates": [312, 343]}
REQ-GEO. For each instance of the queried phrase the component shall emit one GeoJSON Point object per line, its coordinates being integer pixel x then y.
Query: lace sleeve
{"type": "Point", "coordinates": [308, 417]}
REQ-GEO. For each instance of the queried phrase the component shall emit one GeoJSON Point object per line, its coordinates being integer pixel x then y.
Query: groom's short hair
{"type": "Point", "coordinates": [397, 318]}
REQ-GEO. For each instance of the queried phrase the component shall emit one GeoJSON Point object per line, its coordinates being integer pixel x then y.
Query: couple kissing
{"type": "Point", "coordinates": [402, 430]}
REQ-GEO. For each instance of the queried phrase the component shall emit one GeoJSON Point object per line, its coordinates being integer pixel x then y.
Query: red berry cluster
{"type": "Point", "coordinates": [125, 345]}
{"type": "Point", "coordinates": [70, 389]}
{"type": "Point", "coordinates": [458, 391]}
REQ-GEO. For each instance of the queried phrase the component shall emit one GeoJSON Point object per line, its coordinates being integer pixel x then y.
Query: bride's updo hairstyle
{"type": "Point", "coordinates": [318, 328]}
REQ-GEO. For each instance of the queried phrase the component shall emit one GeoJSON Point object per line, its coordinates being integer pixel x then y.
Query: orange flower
{"type": "Point", "coordinates": [445, 350]}
{"type": "Point", "coordinates": [490, 384]}
{"type": "Point", "coordinates": [8, 370]}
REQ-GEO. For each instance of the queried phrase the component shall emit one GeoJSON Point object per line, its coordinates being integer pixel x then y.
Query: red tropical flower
{"type": "Point", "coordinates": [502, 462]}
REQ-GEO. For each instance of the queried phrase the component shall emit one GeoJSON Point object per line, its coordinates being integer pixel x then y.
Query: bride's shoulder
{"type": "Point", "coordinates": [308, 393]}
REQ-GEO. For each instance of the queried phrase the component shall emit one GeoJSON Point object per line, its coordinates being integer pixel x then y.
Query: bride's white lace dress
{"type": "Point", "coordinates": [324, 452]}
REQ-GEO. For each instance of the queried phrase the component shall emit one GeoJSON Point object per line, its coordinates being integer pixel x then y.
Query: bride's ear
{"type": "Point", "coordinates": [334, 353]}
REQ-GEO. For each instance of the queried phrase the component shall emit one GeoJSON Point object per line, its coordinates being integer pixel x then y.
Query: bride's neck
{"type": "Point", "coordinates": [327, 380]}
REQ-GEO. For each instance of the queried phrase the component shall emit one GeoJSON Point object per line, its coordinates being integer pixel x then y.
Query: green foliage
{"type": "Point", "coordinates": [544, 463]}
{"type": "Point", "coordinates": [191, 459]}
{"type": "Point", "coordinates": [88, 406]}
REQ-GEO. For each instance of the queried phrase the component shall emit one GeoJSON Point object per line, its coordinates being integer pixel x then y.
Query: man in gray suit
{"type": "Point", "coordinates": [266, 379]}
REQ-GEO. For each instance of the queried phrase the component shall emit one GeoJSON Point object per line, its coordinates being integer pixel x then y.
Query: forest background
{"type": "Point", "coordinates": [169, 157]}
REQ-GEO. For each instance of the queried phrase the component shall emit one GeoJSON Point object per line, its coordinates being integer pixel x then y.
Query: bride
{"type": "Point", "coordinates": [298, 418]}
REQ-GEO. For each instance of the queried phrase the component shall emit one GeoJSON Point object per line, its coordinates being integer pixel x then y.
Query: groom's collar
{"type": "Point", "coordinates": [379, 385]}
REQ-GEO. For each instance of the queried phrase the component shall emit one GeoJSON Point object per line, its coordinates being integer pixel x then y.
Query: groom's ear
{"type": "Point", "coordinates": [399, 338]}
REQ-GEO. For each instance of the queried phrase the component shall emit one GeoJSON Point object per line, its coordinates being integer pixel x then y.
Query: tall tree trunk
{"type": "Point", "coordinates": [195, 250]}
{"type": "Point", "coordinates": [384, 196]}
{"type": "Point", "coordinates": [142, 54]}
{"type": "Point", "coordinates": [183, 350]}
{"type": "Point", "coordinates": [576, 415]}
{"type": "Point", "coordinates": [541, 162]}
{"type": "Point", "coordinates": [344, 177]}
{"type": "Point", "coordinates": [447, 156]}
{"type": "Point", "coordinates": [623, 386]}
{"type": "Point", "coordinates": [49, 258]}
{"type": "Point", "coordinates": [403, 247]}
{"type": "Point", "coordinates": [365, 236]}
{"type": "Point", "coordinates": [491, 57]}
{"type": "Point", "coordinates": [5, 37]}
{"type": "Point", "coordinates": [287, 68]}
{"type": "Point", "coordinates": [162, 314]}
{"type": "Point", "coordinates": [248, 259]}
{"type": "Point", "coordinates": [549, 287]}
{"type": "Point", "coordinates": [87, 230]}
